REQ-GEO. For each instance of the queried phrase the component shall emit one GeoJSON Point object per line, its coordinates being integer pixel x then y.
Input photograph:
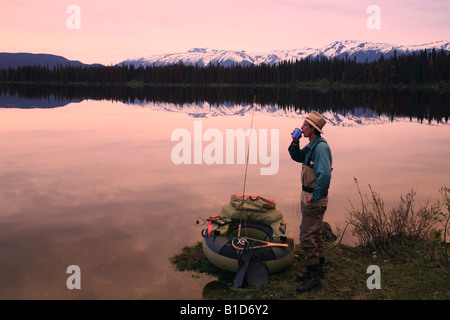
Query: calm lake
{"type": "Point", "coordinates": [118, 187]}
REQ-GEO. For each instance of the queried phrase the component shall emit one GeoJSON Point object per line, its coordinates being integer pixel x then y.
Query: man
{"type": "Point", "coordinates": [316, 175]}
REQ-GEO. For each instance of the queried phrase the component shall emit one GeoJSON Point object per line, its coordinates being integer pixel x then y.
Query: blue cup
{"type": "Point", "coordinates": [297, 133]}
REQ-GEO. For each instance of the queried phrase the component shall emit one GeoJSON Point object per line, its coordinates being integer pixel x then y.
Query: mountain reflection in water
{"type": "Point", "coordinates": [423, 105]}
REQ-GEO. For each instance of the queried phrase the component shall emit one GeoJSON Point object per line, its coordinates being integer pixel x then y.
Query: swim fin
{"type": "Point", "coordinates": [244, 261]}
{"type": "Point", "coordinates": [257, 272]}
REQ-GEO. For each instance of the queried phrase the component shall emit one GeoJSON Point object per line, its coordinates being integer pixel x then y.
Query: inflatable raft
{"type": "Point", "coordinates": [248, 224]}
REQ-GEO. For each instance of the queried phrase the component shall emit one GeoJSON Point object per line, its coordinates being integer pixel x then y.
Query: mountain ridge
{"type": "Point", "coordinates": [361, 51]}
{"type": "Point", "coordinates": [14, 60]}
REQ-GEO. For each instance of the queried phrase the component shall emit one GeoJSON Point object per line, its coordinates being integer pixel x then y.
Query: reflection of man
{"type": "Point", "coordinates": [316, 175]}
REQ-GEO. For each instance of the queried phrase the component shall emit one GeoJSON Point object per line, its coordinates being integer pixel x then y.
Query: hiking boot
{"type": "Point", "coordinates": [320, 271]}
{"type": "Point", "coordinates": [305, 275]}
{"type": "Point", "coordinates": [311, 279]}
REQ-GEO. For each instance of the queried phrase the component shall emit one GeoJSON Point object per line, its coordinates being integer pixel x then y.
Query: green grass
{"type": "Point", "coordinates": [345, 278]}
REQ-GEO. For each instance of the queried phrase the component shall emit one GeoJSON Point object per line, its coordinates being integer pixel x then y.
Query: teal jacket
{"type": "Point", "coordinates": [321, 162]}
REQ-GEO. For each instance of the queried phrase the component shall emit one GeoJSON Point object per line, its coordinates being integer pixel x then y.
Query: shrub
{"type": "Point", "coordinates": [404, 230]}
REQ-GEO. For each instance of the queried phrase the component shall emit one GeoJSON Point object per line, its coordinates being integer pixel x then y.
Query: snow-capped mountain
{"type": "Point", "coordinates": [352, 49]}
{"type": "Point", "coordinates": [351, 118]}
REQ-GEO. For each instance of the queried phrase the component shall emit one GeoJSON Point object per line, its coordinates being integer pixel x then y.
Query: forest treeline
{"type": "Point", "coordinates": [421, 67]}
{"type": "Point", "coordinates": [425, 105]}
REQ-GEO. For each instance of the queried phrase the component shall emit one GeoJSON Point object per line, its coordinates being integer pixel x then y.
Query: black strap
{"type": "Point", "coordinates": [308, 161]}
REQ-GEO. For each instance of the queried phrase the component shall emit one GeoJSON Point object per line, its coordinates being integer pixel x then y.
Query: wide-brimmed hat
{"type": "Point", "coordinates": [316, 120]}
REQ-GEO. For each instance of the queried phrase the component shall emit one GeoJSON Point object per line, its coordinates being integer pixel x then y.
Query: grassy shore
{"type": "Point", "coordinates": [412, 258]}
{"type": "Point", "coordinates": [345, 279]}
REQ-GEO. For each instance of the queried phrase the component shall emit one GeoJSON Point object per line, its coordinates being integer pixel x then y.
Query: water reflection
{"type": "Point", "coordinates": [423, 105]}
{"type": "Point", "coordinates": [93, 184]}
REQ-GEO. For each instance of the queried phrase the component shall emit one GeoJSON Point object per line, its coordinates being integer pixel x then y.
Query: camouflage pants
{"type": "Point", "coordinates": [311, 236]}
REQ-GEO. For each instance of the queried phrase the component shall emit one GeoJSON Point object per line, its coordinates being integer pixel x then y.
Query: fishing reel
{"type": "Point", "coordinates": [242, 241]}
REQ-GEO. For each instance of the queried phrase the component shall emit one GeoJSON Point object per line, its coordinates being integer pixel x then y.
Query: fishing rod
{"type": "Point", "coordinates": [245, 243]}
{"type": "Point", "coordinates": [246, 168]}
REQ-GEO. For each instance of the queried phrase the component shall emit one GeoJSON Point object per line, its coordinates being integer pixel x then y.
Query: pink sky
{"type": "Point", "coordinates": [112, 30]}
